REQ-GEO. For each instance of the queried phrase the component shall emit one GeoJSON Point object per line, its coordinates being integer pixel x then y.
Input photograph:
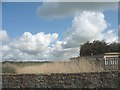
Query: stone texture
{"type": "Point", "coordinates": [71, 80]}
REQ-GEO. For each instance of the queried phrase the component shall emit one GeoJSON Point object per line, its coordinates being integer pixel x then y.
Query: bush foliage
{"type": "Point", "coordinates": [8, 69]}
{"type": "Point", "coordinates": [98, 47]}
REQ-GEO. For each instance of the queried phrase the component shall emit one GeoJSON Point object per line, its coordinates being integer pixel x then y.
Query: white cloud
{"type": "Point", "coordinates": [88, 26]}
{"type": "Point", "coordinates": [62, 9]}
{"type": "Point", "coordinates": [63, 54]}
{"type": "Point", "coordinates": [109, 36]}
{"type": "Point", "coordinates": [3, 35]}
{"type": "Point", "coordinates": [39, 46]}
{"type": "Point", "coordinates": [34, 44]}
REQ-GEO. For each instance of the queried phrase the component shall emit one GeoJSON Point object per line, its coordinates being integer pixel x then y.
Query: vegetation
{"type": "Point", "coordinates": [72, 66]}
{"type": "Point", "coordinates": [8, 69]}
{"type": "Point", "coordinates": [98, 47]}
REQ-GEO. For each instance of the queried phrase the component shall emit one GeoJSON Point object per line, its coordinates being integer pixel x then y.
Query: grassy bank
{"type": "Point", "coordinates": [74, 66]}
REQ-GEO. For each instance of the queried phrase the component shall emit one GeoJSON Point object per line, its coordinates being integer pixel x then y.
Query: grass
{"type": "Point", "coordinates": [74, 66]}
{"type": "Point", "coordinates": [8, 69]}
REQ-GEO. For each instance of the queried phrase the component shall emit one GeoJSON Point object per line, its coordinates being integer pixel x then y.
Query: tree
{"type": "Point", "coordinates": [114, 47]}
{"type": "Point", "coordinates": [98, 47]}
{"type": "Point", "coordinates": [86, 49]}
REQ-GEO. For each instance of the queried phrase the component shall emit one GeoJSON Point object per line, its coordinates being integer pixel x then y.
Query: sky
{"type": "Point", "coordinates": [54, 30]}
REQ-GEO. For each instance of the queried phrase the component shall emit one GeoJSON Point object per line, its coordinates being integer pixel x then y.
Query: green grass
{"type": "Point", "coordinates": [8, 69]}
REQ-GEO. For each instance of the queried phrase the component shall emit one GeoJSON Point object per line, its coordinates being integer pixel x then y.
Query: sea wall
{"type": "Point", "coordinates": [71, 80]}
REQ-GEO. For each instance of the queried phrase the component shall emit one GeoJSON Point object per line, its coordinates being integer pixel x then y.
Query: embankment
{"type": "Point", "coordinates": [60, 80]}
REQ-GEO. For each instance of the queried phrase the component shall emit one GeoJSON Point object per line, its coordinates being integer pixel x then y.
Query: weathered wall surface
{"type": "Point", "coordinates": [74, 80]}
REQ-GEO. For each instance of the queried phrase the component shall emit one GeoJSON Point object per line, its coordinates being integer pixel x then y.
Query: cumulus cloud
{"type": "Point", "coordinates": [63, 53]}
{"type": "Point", "coordinates": [88, 25]}
{"type": "Point", "coordinates": [109, 36]}
{"type": "Point", "coordinates": [39, 46]}
{"type": "Point", "coordinates": [62, 9]}
{"type": "Point", "coordinates": [3, 35]}
{"type": "Point", "coordinates": [34, 44]}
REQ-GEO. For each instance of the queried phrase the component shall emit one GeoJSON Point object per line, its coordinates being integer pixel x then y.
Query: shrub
{"type": "Point", "coordinates": [8, 69]}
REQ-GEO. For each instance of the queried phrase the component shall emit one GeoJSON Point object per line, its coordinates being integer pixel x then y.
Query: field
{"type": "Point", "coordinates": [73, 66]}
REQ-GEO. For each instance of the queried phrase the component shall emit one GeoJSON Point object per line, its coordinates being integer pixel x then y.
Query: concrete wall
{"type": "Point", "coordinates": [80, 80]}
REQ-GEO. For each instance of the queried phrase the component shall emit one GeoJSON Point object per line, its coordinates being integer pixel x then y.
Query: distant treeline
{"type": "Point", "coordinates": [98, 47]}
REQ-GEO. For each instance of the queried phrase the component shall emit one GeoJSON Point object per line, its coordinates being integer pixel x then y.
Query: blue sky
{"type": "Point", "coordinates": [112, 17]}
{"type": "Point", "coordinates": [20, 17]}
{"type": "Point", "coordinates": [54, 31]}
